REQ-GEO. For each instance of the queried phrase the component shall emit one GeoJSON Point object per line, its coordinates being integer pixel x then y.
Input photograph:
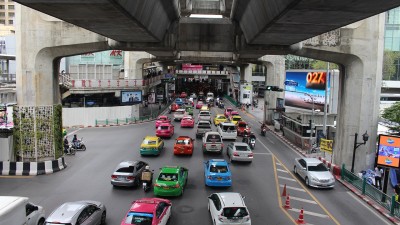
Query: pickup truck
{"type": "Point", "coordinates": [204, 115]}
{"type": "Point", "coordinates": [179, 114]}
{"type": "Point", "coordinates": [203, 126]}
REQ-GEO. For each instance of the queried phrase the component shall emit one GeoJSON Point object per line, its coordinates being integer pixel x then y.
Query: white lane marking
{"type": "Point", "coordinates": [310, 213]}
{"type": "Point", "coordinates": [270, 140]}
{"type": "Point", "coordinates": [264, 145]}
{"type": "Point", "coordinates": [281, 170]}
{"type": "Point", "coordinates": [369, 208]}
{"type": "Point", "coordinates": [293, 188]}
{"type": "Point", "coordinates": [287, 178]}
{"type": "Point", "coordinates": [278, 164]}
{"type": "Point", "coordinates": [262, 153]}
{"type": "Point", "coordinates": [303, 200]}
{"type": "Point", "coordinates": [73, 132]}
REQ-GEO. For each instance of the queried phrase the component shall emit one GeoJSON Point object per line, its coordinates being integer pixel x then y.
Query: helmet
{"type": "Point", "coordinates": [147, 167]}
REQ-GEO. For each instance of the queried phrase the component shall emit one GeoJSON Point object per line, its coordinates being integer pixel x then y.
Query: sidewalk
{"type": "Point", "coordinates": [258, 113]}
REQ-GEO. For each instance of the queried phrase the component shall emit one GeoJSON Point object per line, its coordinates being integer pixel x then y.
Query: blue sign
{"type": "Point", "coordinates": [168, 75]}
{"type": "Point", "coordinates": [291, 83]}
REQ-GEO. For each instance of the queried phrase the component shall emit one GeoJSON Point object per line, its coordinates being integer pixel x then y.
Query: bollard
{"type": "Point", "coordinates": [106, 121]}
{"type": "Point", "coordinates": [342, 172]}
{"type": "Point", "coordinates": [364, 184]}
{"type": "Point", "coordinates": [126, 120]}
{"type": "Point", "coordinates": [392, 205]}
{"type": "Point", "coordinates": [95, 122]}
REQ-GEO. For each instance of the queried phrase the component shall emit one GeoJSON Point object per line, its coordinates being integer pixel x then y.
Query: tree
{"type": "Point", "coordinates": [392, 113]}
{"type": "Point", "coordinates": [389, 68]}
{"type": "Point", "coordinates": [322, 65]}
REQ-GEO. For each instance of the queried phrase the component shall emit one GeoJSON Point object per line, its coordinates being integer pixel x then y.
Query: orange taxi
{"type": "Point", "coordinates": [183, 146]}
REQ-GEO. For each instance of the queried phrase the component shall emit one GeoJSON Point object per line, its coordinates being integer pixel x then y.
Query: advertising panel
{"type": "Point", "coordinates": [131, 97]}
{"type": "Point", "coordinates": [388, 153]}
{"type": "Point", "coordinates": [326, 145]}
{"type": "Point", "coordinates": [6, 116]}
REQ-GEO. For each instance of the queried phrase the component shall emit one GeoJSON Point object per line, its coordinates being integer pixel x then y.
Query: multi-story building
{"type": "Point", "coordinates": [7, 12]}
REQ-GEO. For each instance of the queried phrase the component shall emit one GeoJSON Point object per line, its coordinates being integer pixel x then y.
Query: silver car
{"type": "Point", "coordinates": [128, 173]}
{"type": "Point", "coordinates": [314, 172]}
{"type": "Point", "coordinates": [179, 114]}
{"type": "Point", "coordinates": [81, 212]}
{"type": "Point", "coordinates": [239, 151]}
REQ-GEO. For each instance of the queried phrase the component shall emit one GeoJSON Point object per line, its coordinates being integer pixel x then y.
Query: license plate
{"type": "Point", "coordinates": [219, 178]}
{"type": "Point", "coordinates": [166, 188]}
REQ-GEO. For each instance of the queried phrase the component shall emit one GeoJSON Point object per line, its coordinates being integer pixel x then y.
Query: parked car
{"type": "Point", "coordinates": [162, 119]}
{"type": "Point", "coordinates": [228, 208]}
{"type": "Point", "coordinates": [128, 173]}
{"type": "Point", "coordinates": [314, 172]}
{"type": "Point", "coordinates": [173, 107]}
{"type": "Point", "coordinates": [204, 115]}
{"type": "Point", "coordinates": [228, 111]}
{"type": "Point", "coordinates": [220, 118]}
{"type": "Point", "coordinates": [193, 95]}
{"type": "Point", "coordinates": [203, 126]}
{"type": "Point", "coordinates": [243, 127]}
{"type": "Point", "coordinates": [187, 121]}
{"type": "Point", "coordinates": [171, 181]}
{"type": "Point", "coordinates": [77, 213]}
{"type": "Point", "coordinates": [235, 119]}
{"type": "Point", "coordinates": [239, 151]}
{"type": "Point", "coordinates": [148, 211]}
{"type": "Point", "coordinates": [184, 145]}
{"type": "Point", "coordinates": [199, 104]}
{"type": "Point", "coordinates": [212, 142]}
{"type": "Point", "coordinates": [179, 114]}
{"type": "Point", "coordinates": [165, 130]}
{"type": "Point", "coordinates": [227, 131]}
{"type": "Point", "coordinates": [217, 173]}
{"type": "Point", "coordinates": [151, 145]}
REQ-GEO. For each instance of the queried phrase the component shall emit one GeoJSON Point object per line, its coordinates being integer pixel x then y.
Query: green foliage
{"type": "Point", "coordinates": [389, 67]}
{"type": "Point", "coordinates": [57, 126]}
{"type": "Point", "coordinates": [322, 65]}
{"type": "Point", "coordinates": [16, 130]}
{"type": "Point", "coordinates": [392, 113]}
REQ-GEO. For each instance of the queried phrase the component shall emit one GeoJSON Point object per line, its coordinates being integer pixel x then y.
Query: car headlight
{"type": "Point", "coordinates": [332, 179]}
{"type": "Point", "coordinates": [314, 179]}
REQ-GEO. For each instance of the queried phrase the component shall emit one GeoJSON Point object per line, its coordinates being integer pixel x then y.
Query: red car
{"type": "Point", "coordinates": [151, 211]}
{"type": "Point", "coordinates": [183, 146]}
{"type": "Point", "coordinates": [241, 127]}
{"type": "Point", "coordinates": [173, 107]}
{"type": "Point", "coordinates": [165, 130]}
{"type": "Point", "coordinates": [199, 104]}
{"type": "Point", "coordinates": [187, 121]}
{"type": "Point", "coordinates": [162, 119]}
{"type": "Point", "coordinates": [227, 112]}
{"type": "Point", "coordinates": [183, 95]}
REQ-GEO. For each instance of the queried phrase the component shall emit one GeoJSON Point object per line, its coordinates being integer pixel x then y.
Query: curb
{"type": "Point", "coordinates": [32, 168]}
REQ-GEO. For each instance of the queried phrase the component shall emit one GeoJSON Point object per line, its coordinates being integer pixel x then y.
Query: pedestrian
{"type": "Point", "coordinates": [378, 177]}
{"type": "Point", "coordinates": [397, 191]}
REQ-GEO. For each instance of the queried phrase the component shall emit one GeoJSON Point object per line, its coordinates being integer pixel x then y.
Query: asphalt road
{"type": "Point", "coordinates": [88, 177]}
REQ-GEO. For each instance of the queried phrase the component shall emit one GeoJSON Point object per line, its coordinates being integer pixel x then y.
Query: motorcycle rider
{"type": "Point", "coordinates": [245, 137]}
{"type": "Point", "coordinates": [147, 176]}
{"type": "Point", "coordinates": [66, 145]}
{"type": "Point", "coordinates": [75, 141]}
{"type": "Point", "coordinates": [263, 128]}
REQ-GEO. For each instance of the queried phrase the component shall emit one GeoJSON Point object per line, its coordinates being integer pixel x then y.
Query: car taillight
{"type": "Point", "coordinates": [236, 154]}
{"type": "Point", "coordinates": [221, 218]}
{"type": "Point", "coordinates": [113, 177]}
{"type": "Point", "coordinates": [222, 145]}
{"type": "Point", "coordinates": [176, 186]}
{"type": "Point", "coordinates": [157, 185]}
{"type": "Point", "coordinates": [204, 145]}
{"type": "Point", "coordinates": [251, 155]}
{"type": "Point", "coordinates": [130, 178]}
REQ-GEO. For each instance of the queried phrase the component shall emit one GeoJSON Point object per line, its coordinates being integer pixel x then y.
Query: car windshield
{"type": "Point", "coordinates": [213, 138]}
{"type": "Point", "coordinates": [218, 169]}
{"type": "Point", "coordinates": [168, 177]}
{"type": "Point", "coordinates": [182, 142]}
{"type": "Point", "coordinates": [163, 127]}
{"type": "Point", "coordinates": [228, 128]}
{"type": "Point", "coordinates": [236, 118]}
{"type": "Point", "coordinates": [229, 110]}
{"type": "Point", "coordinates": [149, 142]}
{"type": "Point", "coordinates": [242, 148]}
{"type": "Point", "coordinates": [230, 212]}
{"type": "Point", "coordinates": [221, 117]}
{"type": "Point", "coordinates": [318, 168]}
{"type": "Point", "coordinates": [162, 118]}
{"type": "Point", "coordinates": [242, 125]}
{"type": "Point", "coordinates": [126, 169]}
{"type": "Point", "coordinates": [139, 218]}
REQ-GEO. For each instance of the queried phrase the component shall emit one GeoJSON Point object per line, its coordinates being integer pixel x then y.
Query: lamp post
{"type": "Point", "coordinates": [365, 137]}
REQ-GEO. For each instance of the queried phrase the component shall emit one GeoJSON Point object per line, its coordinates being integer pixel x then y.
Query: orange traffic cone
{"type": "Point", "coordinates": [287, 203]}
{"type": "Point", "coordinates": [284, 191]}
{"type": "Point", "coordinates": [300, 220]}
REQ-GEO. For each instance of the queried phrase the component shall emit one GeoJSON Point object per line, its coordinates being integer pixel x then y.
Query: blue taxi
{"type": "Point", "coordinates": [217, 173]}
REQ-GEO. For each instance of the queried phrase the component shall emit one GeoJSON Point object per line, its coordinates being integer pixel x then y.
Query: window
{"type": "Point", "coordinates": [319, 168]}
{"type": "Point", "coordinates": [230, 212]}
{"type": "Point", "coordinates": [168, 177]}
{"type": "Point", "coordinates": [302, 163]}
{"type": "Point", "coordinates": [213, 138]}
{"type": "Point", "coordinates": [216, 201]}
{"type": "Point", "coordinates": [183, 142]}
{"type": "Point", "coordinates": [29, 209]}
{"type": "Point", "coordinates": [11, 14]}
{"type": "Point", "coordinates": [150, 142]}
{"type": "Point", "coordinates": [139, 218]}
{"type": "Point", "coordinates": [218, 169]}
{"type": "Point", "coordinates": [160, 209]}
{"type": "Point", "coordinates": [129, 169]}
{"type": "Point", "coordinates": [242, 148]}
{"type": "Point", "coordinates": [10, 6]}
{"type": "Point", "coordinates": [10, 22]}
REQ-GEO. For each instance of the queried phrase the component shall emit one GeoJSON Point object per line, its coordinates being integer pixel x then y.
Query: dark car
{"type": "Point", "coordinates": [128, 173]}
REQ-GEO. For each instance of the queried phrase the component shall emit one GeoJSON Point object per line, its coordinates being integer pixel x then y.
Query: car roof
{"type": "Point", "coordinates": [231, 199]}
{"type": "Point", "coordinates": [187, 117]}
{"type": "Point", "coordinates": [162, 116]}
{"type": "Point", "coordinates": [170, 169]}
{"type": "Point", "coordinates": [146, 205]}
{"type": "Point", "coordinates": [221, 162]}
{"type": "Point", "coordinates": [212, 133]}
{"type": "Point", "coordinates": [239, 144]}
{"type": "Point", "coordinates": [183, 138]}
{"type": "Point", "coordinates": [228, 108]}
{"type": "Point", "coordinates": [166, 124]}
{"type": "Point", "coordinates": [153, 138]}
{"type": "Point", "coordinates": [66, 211]}
{"type": "Point", "coordinates": [312, 160]}
{"type": "Point", "coordinates": [236, 116]}
{"type": "Point", "coordinates": [227, 124]}
{"type": "Point", "coordinates": [180, 110]}
{"type": "Point", "coordinates": [204, 121]}
{"type": "Point", "coordinates": [126, 164]}
{"type": "Point", "coordinates": [219, 115]}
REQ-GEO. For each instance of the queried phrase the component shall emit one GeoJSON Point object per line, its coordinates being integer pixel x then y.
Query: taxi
{"type": "Point", "coordinates": [242, 127]}
{"type": "Point", "coordinates": [235, 119]}
{"type": "Point", "coordinates": [165, 130]}
{"type": "Point", "coordinates": [199, 104]}
{"type": "Point", "coordinates": [151, 211]}
{"type": "Point", "coordinates": [187, 121]}
{"type": "Point", "coordinates": [189, 110]}
{"type": "Point", "coordinates": [234, 113]}
{"type": "Point", "coordinates": [228, 111]}
{"type": "Point", "coordinates": [151, 145]}
{"type": "Point", "coordinates": [183, 146]}
{"type": "Point", "coordinates": [217, 173]}
{"type": "Point", "coordinates": [162, 119]}
{"type": "Point", "coordinates": [171, 181]}
{"type": "Point", "coordinates": [204, 108]}
{"type": "Point", "coordinates": [220, 118]}
{"type": "Point", "coordinates": [173, 107]}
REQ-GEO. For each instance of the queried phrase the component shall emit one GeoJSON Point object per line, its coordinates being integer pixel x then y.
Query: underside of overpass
{"type": "Point", "coordinates": [247, 30]}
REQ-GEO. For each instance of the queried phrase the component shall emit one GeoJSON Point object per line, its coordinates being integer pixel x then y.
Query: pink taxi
{"type": "Point", "coordinates": [162, 119]}
{"type": "Point", "coordinates": [151, 211]}
{"type": "Point", "coordinates": [165, 130]}
{"type": "Point", "coordinates": [187, 121]}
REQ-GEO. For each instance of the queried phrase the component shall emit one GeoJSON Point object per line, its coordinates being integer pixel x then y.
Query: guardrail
{"type": "Point", "coordinates": [386, 201]}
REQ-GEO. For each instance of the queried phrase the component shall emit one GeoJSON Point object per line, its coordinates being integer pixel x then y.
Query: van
{"type": "Point", "coordinates": [227, 131]}
{"type": "Point", "coordinates": [212, 142]}
{"type": "Point", "coordinates": [210, 97]}
{"type": "Point", "coordinates": [16, 210]}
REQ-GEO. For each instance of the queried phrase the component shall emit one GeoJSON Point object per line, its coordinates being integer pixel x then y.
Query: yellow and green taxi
{"type": "Point", "coordinates": [171, 181]}
{"type": "Point", "coordinates": [151, 145]}
{"type": "Point", "coordinates": [236, 119]}
{"type": "Point", "coordinates": [204, 108]}
{"type": "Point", "coordinates": [220, 118]}
{"type": "Point", "coordinates": [189, 110]}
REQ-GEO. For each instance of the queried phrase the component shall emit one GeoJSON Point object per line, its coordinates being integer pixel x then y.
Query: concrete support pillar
{"type": "Point", "coordinates": [43, 40]}
{"type": "Point", "coordinates": [246, 73]}
{"type": "Point", "coordinates": [133, 64]}
{"type": "Point", "coordinates": [275, 77]}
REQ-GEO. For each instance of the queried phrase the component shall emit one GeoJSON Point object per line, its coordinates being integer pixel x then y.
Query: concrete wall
{"type": "Point", "coordinates": [87, 116]}
{"type": "Point", "coordinates": [6, 146]}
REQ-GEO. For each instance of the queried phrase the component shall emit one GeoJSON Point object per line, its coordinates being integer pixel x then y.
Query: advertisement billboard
{"type": "Point", "coordinates": [388, 154]}
{"type": "Point", "coordinates": [131, 97]}
{"type": "Point", "coordinates": [312, 83]}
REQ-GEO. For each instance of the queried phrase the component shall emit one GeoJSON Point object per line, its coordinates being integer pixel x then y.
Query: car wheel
{"type": "Point", "coordinates": [295, 170]}
{"type": "Point", "coordinates": [103, 218]}
{"type": "Point", "coordinates": [230, 160]}
{"type": "Point", "coordinates": [41, 222]}
{"type": "Point", "coordinates": [307, 181]}
{"type": "Point", "coordinates": [183, 188]}
{"type": "Point", "coordinates": [137, 182]}
{"type": "Point", "coordinates": [84, 148]}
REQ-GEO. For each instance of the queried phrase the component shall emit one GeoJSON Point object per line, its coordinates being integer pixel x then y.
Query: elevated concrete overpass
{"type": "Point", "coordinates": [249, 29]}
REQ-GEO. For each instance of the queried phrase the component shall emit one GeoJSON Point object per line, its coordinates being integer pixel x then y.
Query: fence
{"type": "Point", "coordinates": [371, 191]}
{"type": "Point", "coordinates": [231, 100]}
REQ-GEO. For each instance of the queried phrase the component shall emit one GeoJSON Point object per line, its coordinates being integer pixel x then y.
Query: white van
{"type": "Point", "coordinates": [212, 142]}
{"type": "Point", "coordinates": [19, 211]}
{"type": "Point", "coordinates": [210, 97]}
{"type": "Point", "coordinates": [227, 131]}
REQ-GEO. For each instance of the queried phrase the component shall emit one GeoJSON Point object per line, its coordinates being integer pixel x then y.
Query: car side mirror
{"type": "Point", "coordinates": [209, 197]}
{"type": "Point", "coordinates": [35, 208]}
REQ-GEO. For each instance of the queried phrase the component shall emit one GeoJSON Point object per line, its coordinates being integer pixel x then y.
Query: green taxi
{"type": "Point", "coordinates": [171, 181]}
{"type": "Point", "coordinates": [189, 110]}
{"type": "Point", "coordinates": [151, 145]}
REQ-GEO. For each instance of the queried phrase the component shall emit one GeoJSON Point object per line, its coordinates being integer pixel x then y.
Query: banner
{"type": "Point", "coordinates": [388, 154]}
{"type": "Point", "coordinates": [326, 145]}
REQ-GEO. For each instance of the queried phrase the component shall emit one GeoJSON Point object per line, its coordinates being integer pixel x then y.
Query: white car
{"type": "Point", "coordinates": [314, 172]}
{"type": "Point", "coordinates": [227, 131]}
{"type": "Point", "coordinates": [193, 95]}
{"type": "Point", "coordinates": [239, 151]}
{"type": "Point", "coordinates": [179, 114]}
{"type": "Point", "coordinates": [228, 208]}
{"type": "Point", "coordinates": [204, 115]}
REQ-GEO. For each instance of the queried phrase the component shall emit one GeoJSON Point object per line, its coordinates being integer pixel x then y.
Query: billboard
{"type": "Point", "coordinates": [131, 97]}
{"type": "Point", "coordinates": [313, 83]}
{"type": "Point", "coordinates": [6, 116]}
{"type": "Point", "coordinates": [388, 154]}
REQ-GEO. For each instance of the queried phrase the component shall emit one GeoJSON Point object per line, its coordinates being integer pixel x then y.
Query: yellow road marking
{"type": "Point", "coordinates": [306, 190]}
{"type": "Point", "coordinates": [16, 177]}
{"type": "Point", "coordinates": [250, 115]}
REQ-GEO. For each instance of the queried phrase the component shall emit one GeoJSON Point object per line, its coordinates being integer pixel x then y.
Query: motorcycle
{"type": "Point", "coordinates": [147, 183]}
{"type": "Point", "coordinates": [70, 150]}
{"type": "Point", "coordinates": [252, 143]}
{"type": "Point", "coordinates": [263, 131]}
{"type": "Point", "coordinates": [79, 145]}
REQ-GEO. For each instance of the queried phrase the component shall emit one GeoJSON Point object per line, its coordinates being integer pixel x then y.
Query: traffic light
{"type": "Point", "coordinates": [274, 88]}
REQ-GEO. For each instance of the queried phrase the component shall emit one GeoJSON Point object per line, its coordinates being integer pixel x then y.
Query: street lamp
{"type": "Point", "coordinates": [365, 137]}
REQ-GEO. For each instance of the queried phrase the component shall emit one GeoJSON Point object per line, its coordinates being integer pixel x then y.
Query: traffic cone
{"type": "Point", "coordinates": [287, 203]}
{"type": "Point", "coordinates": [300, 220]}
{"type": "Point", "coordinates": [284, 191]}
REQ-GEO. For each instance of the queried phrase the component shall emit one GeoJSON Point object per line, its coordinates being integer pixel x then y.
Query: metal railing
{"type": "Point", "coordinates": [231, 100]}
{"type": "Point", "coordinates": [8, 78]}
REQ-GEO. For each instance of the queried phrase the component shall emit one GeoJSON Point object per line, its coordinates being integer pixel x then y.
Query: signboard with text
{"type": "Point", "coordinates": [388, 154]}
{"type": "Point", "coordinates": [326, 145]}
